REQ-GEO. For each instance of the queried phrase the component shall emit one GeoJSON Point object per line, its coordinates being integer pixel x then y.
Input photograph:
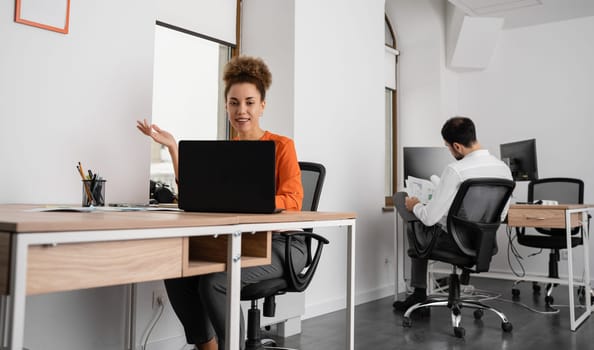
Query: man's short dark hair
{"type": "Point", "coordinates": [460, 130]}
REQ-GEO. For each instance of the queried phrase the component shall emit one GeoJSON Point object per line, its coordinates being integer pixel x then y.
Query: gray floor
{"type": "Point", "coordinates": [378, 327]}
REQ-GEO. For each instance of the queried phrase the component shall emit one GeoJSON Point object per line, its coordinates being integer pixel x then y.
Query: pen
{"type": "Point", "coordinates": [93, 178]}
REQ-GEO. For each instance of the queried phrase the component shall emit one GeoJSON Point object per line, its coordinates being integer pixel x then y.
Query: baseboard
{"type": "Point", "coordinates": [375, 294]}
{"type": "Point", "coordinates": [337, 304]}
{"type": "Point", "coordinates": [505, 274]}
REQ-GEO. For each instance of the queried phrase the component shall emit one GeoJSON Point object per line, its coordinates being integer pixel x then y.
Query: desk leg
{"type": "Point", "coordinates": [18, 292]}
{"type": "Point", "coordinates": [396, 257]}
{"type": "Point", "coordinates": [4, 318]}
{"type": "Point", "coordinates": [233, 291]}
{"type": "Point", "coordinates": [130, 317]}
{"type": "Point", "coordinates": [570, 271]}
{"type": "Point", "coordinates": [587, 285]}
{"type": "Point", "coordinates": [350, 341]}
{"type": "Point", "coordinates": [573, 321]}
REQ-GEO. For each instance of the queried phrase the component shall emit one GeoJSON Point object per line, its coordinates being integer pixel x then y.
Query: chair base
{"type": "Point", "coordinates": [254, 339]}
{"type": "Point", "coordinates": [549, 300]}
{"type": "Point", "coordinates": [479, 307]}
{"type": "Point", "coordinates": [455, 304]}
{"type": "Point", "coordinates": [554, 258]}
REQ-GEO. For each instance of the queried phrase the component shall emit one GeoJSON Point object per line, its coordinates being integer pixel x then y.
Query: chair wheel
{"type": "Point", "coordinates": [549, 300]}
{"type": "Point", "coordinates": [506, 326]}
{"type": "Point", "coordinates": [459, 332]}
{"type": "Point", "coordinates": [478, 314]}
{"type": "Point", "coordinates": [268, 342]}
{"type": "Point", "coordinates": [515, 293]}
{"type": "Point", "coordinates": [406, 322]}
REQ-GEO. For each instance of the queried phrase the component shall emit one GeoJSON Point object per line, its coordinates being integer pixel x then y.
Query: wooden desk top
{"type": "Point", "coordinates": [17, 218]}
{"type": "Point", "coordinates": [553, 207]}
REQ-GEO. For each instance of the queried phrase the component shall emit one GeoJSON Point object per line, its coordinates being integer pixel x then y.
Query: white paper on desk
{"type": "Point", "coordinates": [59, 208]}
{"type": "Point", "coordinates": [421, 188]}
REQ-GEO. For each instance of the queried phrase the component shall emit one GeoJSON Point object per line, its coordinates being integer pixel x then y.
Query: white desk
{"type": "Point", "coordinates": [38, 249]}
{"type": "Point", "coordinates": [552, 216]}
{"type": "Point", "coordinates": [559, 216]}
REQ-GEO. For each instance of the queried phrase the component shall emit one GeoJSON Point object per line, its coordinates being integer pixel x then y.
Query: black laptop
{"type": "Point", "coordinates": [227, 176]}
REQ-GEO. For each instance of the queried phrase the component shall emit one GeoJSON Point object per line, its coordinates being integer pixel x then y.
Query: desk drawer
{"type": "Point", "coordinates": [97, 264]}
{"type": "Point", "coordinates": [545, 217]}
{"type": "Point", "coordinates": [4, 262]}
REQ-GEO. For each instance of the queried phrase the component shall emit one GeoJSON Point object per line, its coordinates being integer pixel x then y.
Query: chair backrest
{"type": "Point", "coordinates": [564, 190]}
{"type": "Point", "coordinates": [312, 178]}
{"type": "Point", "coordinates": [561, 189]}
{"type": "Point", "coordinates": [475, 215]}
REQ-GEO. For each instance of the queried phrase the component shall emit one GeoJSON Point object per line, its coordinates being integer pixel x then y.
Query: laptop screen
{"type": "Point", "coordinates": [227, 176]}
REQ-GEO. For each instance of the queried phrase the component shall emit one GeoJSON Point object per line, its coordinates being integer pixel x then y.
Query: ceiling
{"type": "Point", "coordinates": [521, 13]}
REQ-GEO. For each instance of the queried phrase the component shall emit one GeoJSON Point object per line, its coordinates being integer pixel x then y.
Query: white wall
{"type": "Point", "coordinates": [268, 31]}
{"type": "Point", "coordinates": [339, 121]}
{"type": "Point", "coordinates": [69, 98]}
{"type": "Point", "coordinates": [75, 97]}
{"type": "Point", "coordinates": [426, 89]}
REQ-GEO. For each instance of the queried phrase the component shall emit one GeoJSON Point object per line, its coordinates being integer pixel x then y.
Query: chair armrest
{"type": "Point", "coordinates": [298, 281]}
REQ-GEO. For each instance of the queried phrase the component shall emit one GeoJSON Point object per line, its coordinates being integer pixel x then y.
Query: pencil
{"type": "Point", "coordinates": [85, 184]}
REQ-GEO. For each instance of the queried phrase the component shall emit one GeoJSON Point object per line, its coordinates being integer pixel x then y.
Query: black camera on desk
{"type": "Point", "coordinates": [161, 193]}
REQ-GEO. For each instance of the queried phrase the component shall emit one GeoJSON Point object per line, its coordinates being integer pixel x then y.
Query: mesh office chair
{"type": "Point", "coordinates": [564, 191]}
{"type": "Point", "coordinates": [312, 177]}
{"type": "Point", "coordinates": [472, 223]}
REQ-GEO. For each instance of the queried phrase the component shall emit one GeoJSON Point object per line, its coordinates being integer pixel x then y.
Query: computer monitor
{"type": "Point", "coordinates": [422, 162]}
{"type": "Point", "coordinates": [520, 156]}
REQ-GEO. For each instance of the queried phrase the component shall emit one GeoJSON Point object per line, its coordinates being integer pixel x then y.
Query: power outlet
{"type": "Point", "coordinates": [563, 254]}
{"type": "Point", "coordinates": [159, 298]}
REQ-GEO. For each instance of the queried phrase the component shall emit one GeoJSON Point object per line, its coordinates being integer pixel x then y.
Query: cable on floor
{"type": "Point", "coordinates": [550, 312]}
{"type": "Point", "coordinates": [482, 295]}
{"type": "Point", "coordinates": [154, 322]}
{"type": "Point", "coordinates": [511, 248]}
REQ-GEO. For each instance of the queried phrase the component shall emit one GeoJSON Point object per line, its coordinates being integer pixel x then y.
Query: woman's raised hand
{"type": "Point", "coordinates": [153, 131]}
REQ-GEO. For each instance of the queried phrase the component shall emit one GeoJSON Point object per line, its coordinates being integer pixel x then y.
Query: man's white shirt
{"type": "Point", "coordinates": [477, 164]}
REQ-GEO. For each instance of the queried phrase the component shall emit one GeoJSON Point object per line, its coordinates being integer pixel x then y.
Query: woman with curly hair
{"type": "Point", "coordinates": [200, 301]}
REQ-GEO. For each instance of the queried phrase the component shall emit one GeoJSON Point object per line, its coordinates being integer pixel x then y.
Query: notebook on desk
{"type": "Point", "coordinates": [227, 176]}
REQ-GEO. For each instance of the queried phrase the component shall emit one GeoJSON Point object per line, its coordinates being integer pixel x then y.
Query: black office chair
{"type": "Point", "coordinates": [312, 177]}
{"type": "Point", "coordinates": [472, 223]}
{"type": "Point", "coordinates": [564, 191]}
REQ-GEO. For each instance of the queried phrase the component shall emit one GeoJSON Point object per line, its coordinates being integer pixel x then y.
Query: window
{"type": "Point", "coordinates": [391, 60]}
{"type": "Point", "coordinates": [187, 92]}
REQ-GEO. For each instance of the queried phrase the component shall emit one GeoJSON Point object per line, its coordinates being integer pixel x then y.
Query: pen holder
{"type": "Point", "coordinates": [93, 193]}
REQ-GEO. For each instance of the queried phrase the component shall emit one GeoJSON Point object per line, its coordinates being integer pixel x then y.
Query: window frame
{"type": "Point", "coordinates": [393, 167]}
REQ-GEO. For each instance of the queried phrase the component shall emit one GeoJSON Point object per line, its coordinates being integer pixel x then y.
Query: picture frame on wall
{"type": "Point", "coordinates": [52, 15]}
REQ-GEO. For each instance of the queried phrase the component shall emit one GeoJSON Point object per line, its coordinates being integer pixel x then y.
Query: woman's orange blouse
{"type": "Point", "coordinates": [289, 190]}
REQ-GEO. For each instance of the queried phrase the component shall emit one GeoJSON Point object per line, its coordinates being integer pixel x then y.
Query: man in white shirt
{"type": "Point", "coordinates": [471, 162]}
